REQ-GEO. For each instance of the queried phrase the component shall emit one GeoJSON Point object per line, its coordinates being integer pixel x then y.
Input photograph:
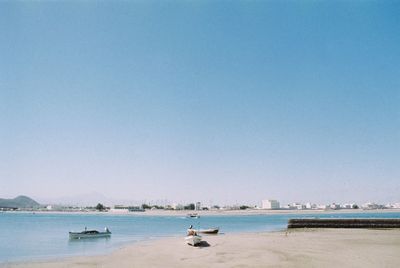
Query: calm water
{"type": "Point", "coordinates": [25, 236]}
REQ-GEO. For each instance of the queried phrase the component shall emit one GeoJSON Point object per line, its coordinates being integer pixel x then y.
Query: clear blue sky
{"type": "Point", "coordinates": [216, 101]}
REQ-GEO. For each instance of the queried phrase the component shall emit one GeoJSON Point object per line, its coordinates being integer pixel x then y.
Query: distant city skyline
{"type": "Point", "coordinates": [227, 102]}
{"type": "Point", "coordinates": [92, 199]}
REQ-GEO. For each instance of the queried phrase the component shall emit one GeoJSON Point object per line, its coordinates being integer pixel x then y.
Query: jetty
{"type": "Point", "coordinates": [344, 223]}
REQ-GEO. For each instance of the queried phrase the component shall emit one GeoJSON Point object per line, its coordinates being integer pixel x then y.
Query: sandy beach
{"type": "Point", "coordinates": [298, 248]}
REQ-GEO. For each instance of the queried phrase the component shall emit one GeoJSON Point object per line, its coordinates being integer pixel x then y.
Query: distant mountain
{"type": "Point", "coordinates": [19, 202]}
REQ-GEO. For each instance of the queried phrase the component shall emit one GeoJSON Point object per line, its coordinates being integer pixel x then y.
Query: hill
{"type": "Point", "coordinates": [19, 202]}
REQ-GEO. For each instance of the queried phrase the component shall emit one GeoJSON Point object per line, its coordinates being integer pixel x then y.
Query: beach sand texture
{"type": "Point", "coordinates": [298, 248]}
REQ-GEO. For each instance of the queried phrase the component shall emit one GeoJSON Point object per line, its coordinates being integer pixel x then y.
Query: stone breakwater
{"type": "Point", "coordinates": [344, 223]}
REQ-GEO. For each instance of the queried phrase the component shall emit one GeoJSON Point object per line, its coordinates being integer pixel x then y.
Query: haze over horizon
{"type": "Point", "coordinates": [228, 102]}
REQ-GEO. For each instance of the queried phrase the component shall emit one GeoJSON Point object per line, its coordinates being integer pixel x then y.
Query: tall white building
{"type": "Point", "coordinates": [270, 204]}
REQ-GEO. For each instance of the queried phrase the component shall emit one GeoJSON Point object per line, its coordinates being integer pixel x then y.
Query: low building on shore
{"type": "Point", "coordinates": [371, 206]}
{"type": "Point", "coordinates": [176, 206]}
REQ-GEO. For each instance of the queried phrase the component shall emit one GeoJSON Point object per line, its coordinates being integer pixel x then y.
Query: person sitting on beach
{"type": "Point", "coordinates": [190, 231]}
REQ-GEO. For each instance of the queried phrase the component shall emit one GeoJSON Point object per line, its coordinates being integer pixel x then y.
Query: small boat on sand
{"type": "Point", "coordinates": [209, 231]}
{"type": "Point", "coordinates": [193, 240]}
{"type": "Point", "coordinates": [89, 234]}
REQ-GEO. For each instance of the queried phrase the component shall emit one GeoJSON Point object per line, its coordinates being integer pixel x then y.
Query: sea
{"type": "Point", "coordinates": [44, 236]}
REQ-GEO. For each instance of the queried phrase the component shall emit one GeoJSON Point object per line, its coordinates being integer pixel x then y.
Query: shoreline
{"type": "Point", "coordinates": [295, 248]}
{"type": "Point", "coordinates": [184, 213]}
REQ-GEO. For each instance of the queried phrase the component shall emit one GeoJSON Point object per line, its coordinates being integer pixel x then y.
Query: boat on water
{"type": "Point", "coordinates": [209, 231]}
{"type": "Point", "coordinates": [89, 234]}
{"type": "Point", "coordinates": [193, 215]}
{"type": "Point", "coordinates": [193, 240]}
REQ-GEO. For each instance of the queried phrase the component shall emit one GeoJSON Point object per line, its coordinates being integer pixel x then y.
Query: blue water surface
{"type": "Point", "coordinates": [28, 236]}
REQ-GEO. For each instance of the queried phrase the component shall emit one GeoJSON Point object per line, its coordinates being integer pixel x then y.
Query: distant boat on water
{"type": "Point", "coordinates": [209, 231]}
{"type": "Point", "coordinates": [89, 234]}
{"type": "Point", "coordinates": [193, 215]}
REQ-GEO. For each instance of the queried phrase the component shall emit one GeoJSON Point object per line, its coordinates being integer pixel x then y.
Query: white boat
{"type": "Point", "coordinates": [89, 234]}
{"type": "Point", "coordinates": [193, 239]}
{"type": "Point", "coordinates": [193, 215]}
{"type": "Point", "coordinates": [209, 231]}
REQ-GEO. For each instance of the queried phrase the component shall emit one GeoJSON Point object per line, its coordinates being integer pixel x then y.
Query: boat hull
{"type": "Point", "coordinates": [209, 231]}
{"type": "Point", "coordinates": [73, 235]}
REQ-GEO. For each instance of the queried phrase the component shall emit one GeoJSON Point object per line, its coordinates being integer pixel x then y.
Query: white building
{"type": "Point", "coordinates": [270, 204]}
{"type": "Point", "coordinates": [119, 209]}
{"type": "Point", "coordinates": [198, 206]}
{"type": "Point", "coordinates": [311, 206]}
{"type": "Point", "coordinates": [297, 206]}
{"type": "Point", "coordinates": [349, 206]}
{"type": "Point", "coordinates": [322, 206]}
{"type": "Point", "coordinates": [396, 205]}
{"type": "Point", "coordinates": [334, 206]}
{"type": "Point", "coordinates": [372, 206]}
